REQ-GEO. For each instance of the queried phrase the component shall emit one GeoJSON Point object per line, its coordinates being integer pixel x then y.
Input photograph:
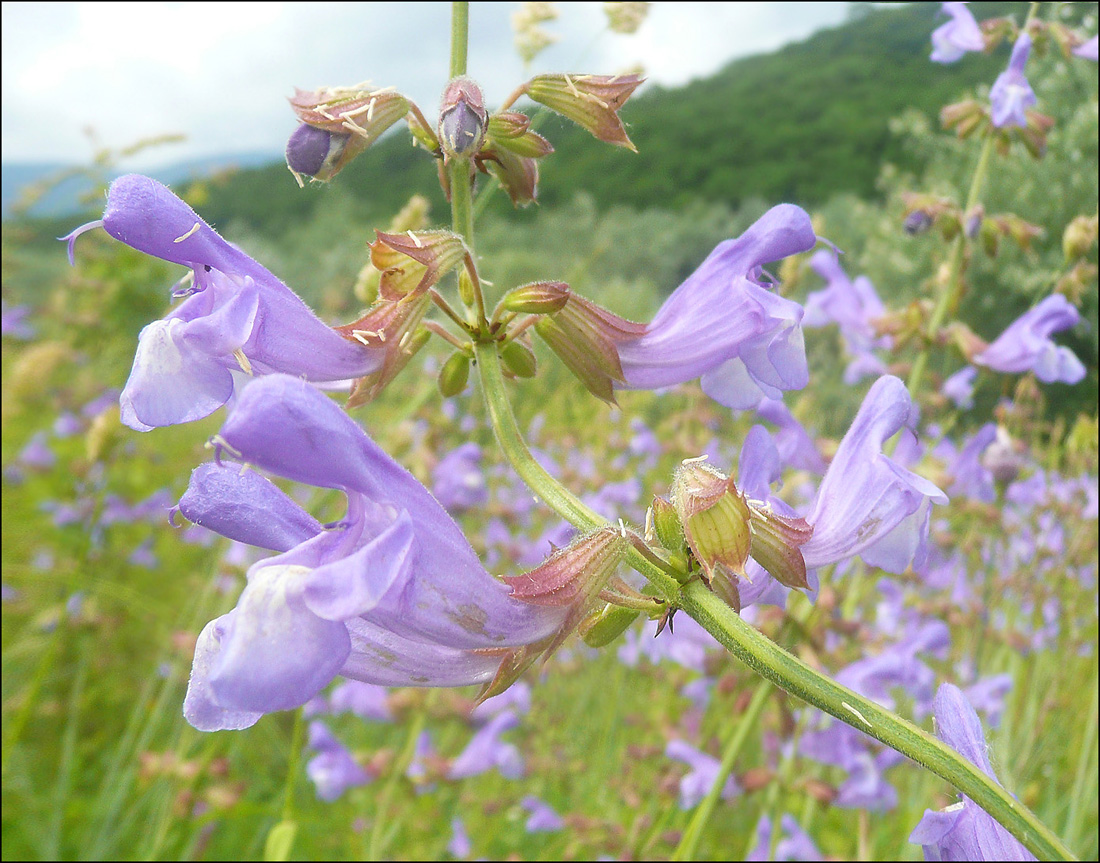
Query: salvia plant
{"type": "Point", "coordinates": [392, 593]}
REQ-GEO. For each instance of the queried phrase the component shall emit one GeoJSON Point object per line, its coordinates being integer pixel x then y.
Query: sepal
{"type": "Point", "coordinates": [586, 338]}
{"type": "Point", "coordinates": [590, 101]}
{"type": "Point", "coordinates": [415, 260]}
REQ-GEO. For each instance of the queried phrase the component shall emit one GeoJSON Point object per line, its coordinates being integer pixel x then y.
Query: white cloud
{"type": "Point", "coordinates": [218, 71]}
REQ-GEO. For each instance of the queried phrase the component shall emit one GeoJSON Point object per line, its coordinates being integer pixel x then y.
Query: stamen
{"type": "Point", "coordinates": [242, 361]}
{"type": "Point", "coordinates": [696, 460]}
{"type": "Point", "coordinates": [194, 229]}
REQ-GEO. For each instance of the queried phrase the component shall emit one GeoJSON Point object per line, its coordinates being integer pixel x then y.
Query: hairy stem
{"type": "Point", "coordinates": [760, 653]}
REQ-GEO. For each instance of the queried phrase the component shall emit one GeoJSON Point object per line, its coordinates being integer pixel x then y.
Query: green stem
{"type": "Point", "coordinates": [760, 653]}
{"type": "Point", "coordinates": [460, 37]}
{"type": "Point", "coordinates": [297, 737]}
{"type": "Point", "coordinates": [949, 295]}
{"type": "Point", "coordinates": [690, 840]}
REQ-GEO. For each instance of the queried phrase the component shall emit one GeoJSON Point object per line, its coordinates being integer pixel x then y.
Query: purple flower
{"type": "Point", "coordinates": [460, 845]}
{"type": "Point", "coordinates": [703, 774]}
{"type": "Point", "coordinates": [724, 325]}
{"type": "Point", "coordinates": [543, 818]}
{"type": "Point", "coordinates": [795, 445]}
{"type": "Point", "coordinates": [332, 770]}
{"type": "Point", "coordinates": [963, 831]}
{"type": "Point", "coordinates": [796, 844]}
{"type": "Point", "coordinates": [1026, 346]}
{"type": "Point", "coordinates": [13, 322]}
{"type": "Point", "coordinates": [393, 594]}
{"type": "Point", "coordinates": [486, 750]}
{"type": "Point", "coordinates": [854, 306]}
{"type": "Point", "coordinates": [960, 387]}
{"type": "Point", "coordinates": [959, 35]}
{"type": "Point", "coordinates": [867, 503]}
{"type": "Point", "coordinates": [1011, 95]}
{"type": "Point", "coordinates": [237, 316]}
{"type": "Point", "coordinates": [457, 479]}
{"type": "Point", "coordinates": [37, 453]}
{"type": "Point", "coordinates": [1087, 49]}
{"type": "Point", "coordinates": [363, 699]}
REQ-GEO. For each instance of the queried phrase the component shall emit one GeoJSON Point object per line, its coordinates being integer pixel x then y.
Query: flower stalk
{"type": "Point", "coordinates": [739, 637]}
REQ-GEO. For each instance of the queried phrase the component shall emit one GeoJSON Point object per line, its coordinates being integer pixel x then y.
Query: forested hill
{"type": "Point", "coordinates": [799, 125]}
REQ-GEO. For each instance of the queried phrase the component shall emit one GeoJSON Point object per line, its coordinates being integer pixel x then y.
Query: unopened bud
{"type": "Point", "coordinates": [917, 222]}
{"type": "Point", "coordinates": [353, 119]}
{"type": "Point", "coordinates": [519, 359]}
{"type": "Point", "coordinates": [1079, 236]}
{"type": "Point", "coordinates": [1002, 458]}
{"type": "Point", "coordinates": [454, 374]}
{"type": "Point", "coordinates": [463, 119]}
{"type": "Point", "coordinates": [313, 152]}
{"type": "Point", "coordinates": [715, 516]}
{"type": "Point", "coordinates": [537, 298]}
{"type": "Point", "coordinates": [666, 524]}
{"type": "Point", "coordinates": [973, 223]}
{"type": "Point", "coordinates": [103, 434]}
{"type": "Point", "coordinates": [604, 626]}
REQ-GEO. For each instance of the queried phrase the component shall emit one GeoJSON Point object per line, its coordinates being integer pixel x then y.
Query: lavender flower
{"type": "Point", "coordinates": [1011, 95]}
{"type": "Point", "coordinates": [486, 751]}
{"type": "Point", "coordinates": [237, 316]}
{"type": "Point", "coordinates": [1026, 346]}
{"type": "Point", "coordinates": [543, 818]}
{"type": "Point", "coordinates": [460, 845]}
{"type": "Point", "coordinates": [960, 387]}
{"type": "Point", "coordinates": [1087, 49]}
{"type": "Point", "coordinates": [332, 770]}
{"type": "Point", "coordinates": [724, 325]}
{"type": "Point", "coordinates": [457, 479]}
{"type": "Point", "coordinates": [704, 771]}
{"type": "Point", "coordinates": [963, 831]}
{"type": "Point", "coordinates": [868, 504]}
{"type": "Point", "coordinates": [13, 322]}
{"type": "Point", "coordinates": [393, 594]}
{"type": "Point", "coordinates": [796, 845]}
{"type": "Point", "coordinates": [959, 35]}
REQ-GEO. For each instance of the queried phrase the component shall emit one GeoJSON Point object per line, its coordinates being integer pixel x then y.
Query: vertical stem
{"type": "Point", "coordinates": [690, 840]}
{"type": "Point", "coordinates": [949, 294]}
{"type": "Point", "coordinates": [460, 37]}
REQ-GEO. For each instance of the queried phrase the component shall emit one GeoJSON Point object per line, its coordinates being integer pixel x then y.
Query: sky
{"type": "Point", "coordinates": [219, 72]}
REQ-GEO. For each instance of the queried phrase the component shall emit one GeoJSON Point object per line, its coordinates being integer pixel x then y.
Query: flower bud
{"type": "Point", "coordinates": [715, 517]}
{"type": "Point", "coordinates": [1002, 458]}
{"type": "Point", "coordinates": [463, 120]}
{"type": "Point", "coordinates": [454, 374]}
{"type": "Point", "coordinates": [511, 131]}
{"type": "Point", "coordinates": [518, 175]}
{"type": "Point", "coordinates": [917, 222]}
{"type": "Point", "coordinates": [666, 525]}
{"type": "Point", "coordinates": [537, 298]}
{"type": "Point", "coordinates": [519, 359]}
{"type": "Point", "coordinates": [604, 626]}
{"type": "Point", "coordinates": [1079, 236]}
{"type": "Point", "coordinates": [314, 152]}
{"type": "Point", "coordinates": [338, 124]}
{"type": "Point", "coordinates": [590, 101]}
{"type": "Point", "coordinates": [973, 223]}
